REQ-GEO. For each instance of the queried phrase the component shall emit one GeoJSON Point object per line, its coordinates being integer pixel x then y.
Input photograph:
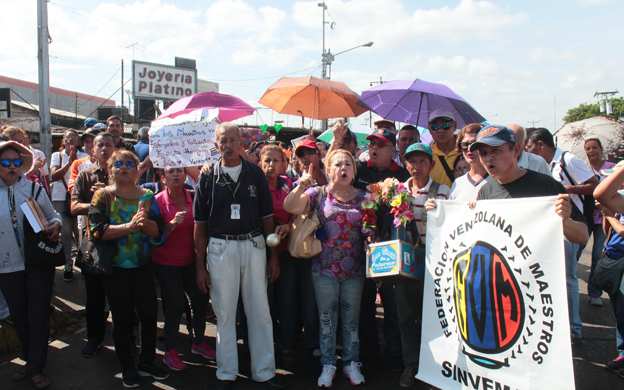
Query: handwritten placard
{"type": "Point", "coordinates": [187, 140]}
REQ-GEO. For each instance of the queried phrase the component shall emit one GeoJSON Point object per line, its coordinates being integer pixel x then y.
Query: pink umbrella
{"type": "Point", "coordinates": [230, 107]}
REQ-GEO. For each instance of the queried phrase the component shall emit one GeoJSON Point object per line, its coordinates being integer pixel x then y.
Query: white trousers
{"type": "Point", "coordinates": [241, 266]}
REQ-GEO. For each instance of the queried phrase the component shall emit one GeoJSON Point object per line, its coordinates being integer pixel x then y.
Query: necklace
{"type": "Point", "coordinates": [343, 194]}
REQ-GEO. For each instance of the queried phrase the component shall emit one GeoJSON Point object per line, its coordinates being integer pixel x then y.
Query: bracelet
{"type": "Point", "coordinates": [126, 227]}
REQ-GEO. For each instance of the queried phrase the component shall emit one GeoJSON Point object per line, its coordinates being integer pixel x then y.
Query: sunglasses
{"type": "Point", "coordinates": [346, 140]}
{"type": "Point", "coordinates": [71, 137]}
{"type": "Point", "coordinates": [129, 163]}
{"type": "Point", "coordinates": [17, 162]}
{"type": "Point", "coordinates": [306, 152]}
{"type": "Point", "coordinates": [464, 145]}
{"type": "Point", "coordinates": [436, 127]}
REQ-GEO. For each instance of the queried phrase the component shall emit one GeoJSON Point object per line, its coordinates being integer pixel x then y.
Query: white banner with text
{"type": "Point", "coordinates": [495, 310]}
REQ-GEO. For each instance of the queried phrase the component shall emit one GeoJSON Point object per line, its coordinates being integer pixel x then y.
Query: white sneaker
{"type": "Point", "coordinates": [327, 376]}
{"type": "Point", "coordinates": [352, 371]}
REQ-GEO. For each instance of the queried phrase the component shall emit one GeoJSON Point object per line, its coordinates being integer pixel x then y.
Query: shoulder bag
{"type": "Point", "coordinates": [302, 242]}
{"type": "Point", "coordinates": [97, 258]}
{"type": "Point", "coordinates": [39, 250]}
{"type": "Point", "coordinates": [589, 203]}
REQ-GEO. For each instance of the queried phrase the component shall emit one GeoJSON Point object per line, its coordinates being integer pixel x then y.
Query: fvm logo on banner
{"type": "Point", "coordinates": [488, 303]}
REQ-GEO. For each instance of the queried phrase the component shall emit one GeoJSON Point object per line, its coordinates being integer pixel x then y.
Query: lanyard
{"type": "Point", "coordinates": [226, 184]}
{"type": "Point", "coordinates": [14, 216]}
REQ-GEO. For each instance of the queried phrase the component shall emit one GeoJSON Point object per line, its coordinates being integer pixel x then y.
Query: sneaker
{"type": "Point", "coordinates": [67, 275]}
{"type": "Point", "coordinates": [205, 350]}
{"type": "Point", "coordinates": [91, 348]}
{"type": "Point", "coordinates": [408, 378]}
{"type": "Point", "coordinates": [153, 371]}
{"type": "Point", "coordinates": [595, 301]}
{"type": "Point", "coordinates": [130, 378]}
{"type": "Point", "coordinates": [615, 364]}
{"type": "Point", "coordinates": [173, 361]}
{"type": "Point", "coordinates": [327, 376]}
{"type": "Point", "coordinates": [352, 371]}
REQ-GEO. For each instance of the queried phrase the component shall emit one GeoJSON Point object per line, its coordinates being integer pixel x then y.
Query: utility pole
{"type": "Point", "coordinates": [605, 104]}
{"type": "Point", "coordinates": [324, 59]}
{"type": "Point", "coordinates": [533, 122]}
{"type": "Point", "coordinates": [122, 85]}
{"type": "Point", "coordinates": [43, 55]}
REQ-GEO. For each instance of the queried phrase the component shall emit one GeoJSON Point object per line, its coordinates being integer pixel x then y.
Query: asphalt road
{"type": "Point", "coordinates": [67, 369]}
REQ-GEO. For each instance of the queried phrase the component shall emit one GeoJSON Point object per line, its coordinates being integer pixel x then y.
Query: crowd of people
{"type": "Point", "coordinates": [198, 235]}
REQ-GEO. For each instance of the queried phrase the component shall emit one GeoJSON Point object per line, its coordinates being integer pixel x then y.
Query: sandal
{"type": "Point", "coordinates": [41, 383]}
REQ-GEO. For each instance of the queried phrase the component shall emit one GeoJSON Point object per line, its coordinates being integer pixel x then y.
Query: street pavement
{"type": "Point", "coordinates": [67, 369]}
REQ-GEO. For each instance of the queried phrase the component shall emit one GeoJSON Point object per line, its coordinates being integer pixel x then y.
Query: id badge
{"type": "Point", "coordinates": [235, 211]}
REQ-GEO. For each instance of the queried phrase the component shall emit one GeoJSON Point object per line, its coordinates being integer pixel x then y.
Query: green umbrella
{"type": "Point", "coordinates": [361, 132]}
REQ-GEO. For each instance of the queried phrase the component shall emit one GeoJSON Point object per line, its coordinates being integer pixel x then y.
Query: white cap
{"type": "Point", "coordinates": [441, 113]}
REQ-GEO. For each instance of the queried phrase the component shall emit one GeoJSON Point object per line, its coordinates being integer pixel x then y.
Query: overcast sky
{"type": "Point", "coordinates": [509, 59]}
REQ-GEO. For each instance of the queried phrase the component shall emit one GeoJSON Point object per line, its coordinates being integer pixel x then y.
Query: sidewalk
{"type": "Point", "coordinates": [67, 369]}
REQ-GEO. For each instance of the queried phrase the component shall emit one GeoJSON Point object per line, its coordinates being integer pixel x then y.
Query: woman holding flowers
{"type": "Point", "coordinates": [338, 271]}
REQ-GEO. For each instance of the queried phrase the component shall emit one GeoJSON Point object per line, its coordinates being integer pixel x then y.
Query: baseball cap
{"type": "Point", "coordinates": [90, 122]}
{"type": "Point", "coordinates": [99, 126]}
{"type": "Point", "coordinates": [306, 144]}
{"type": "Point", "coordinates": [441, 113]}
{"type": "Point", "coordinates": [609, 171]}
{"type": "Point", "coordinates": [91, 132]}
{"type": "Point", "coordinates": [418, 147]}
{"type": "Point", "coordinates": [384, 122]}
{"type": "Point", "coordinates": [493, 135]}
{"type": "Point", "coordinates": [384, 135]}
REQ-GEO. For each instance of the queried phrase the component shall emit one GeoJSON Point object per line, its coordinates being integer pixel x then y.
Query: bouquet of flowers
{"type": "Point", "coordinates": [391, 193]}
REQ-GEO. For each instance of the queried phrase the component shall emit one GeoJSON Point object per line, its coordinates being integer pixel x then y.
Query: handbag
{"type": "Point", "coordinates": [97, 258]}
{"type": "Point", "coordinates": [302, 242]}
{"type": "Point", "coordinates": [608, 272]}
{"type": "Point", "coordinates": [39, 250]}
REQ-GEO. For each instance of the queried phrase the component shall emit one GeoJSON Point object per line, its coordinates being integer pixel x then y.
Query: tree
{"type": "Point", "coordinates": [585, 111]}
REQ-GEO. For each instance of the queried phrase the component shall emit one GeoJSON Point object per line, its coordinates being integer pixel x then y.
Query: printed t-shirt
{"type": "Point", "coordinates": [133, 250]}
{"type": "Point", "coordinates": [418, 204]}
{"type": "Point", "coordinates": [179, 248]}
{"type": "Point", "coordinates": [284, 186]}
{"type": "Point", "coordinates": [601, 177]}
{"type": "Point", "coordinates": [343, 248]}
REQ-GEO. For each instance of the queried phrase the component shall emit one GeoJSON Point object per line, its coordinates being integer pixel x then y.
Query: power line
{"type": "Point", "coordinates": [25, 101]}
{"type": "Point", "coordinates": [113, 94]}
{"type": "Point", "coordinates": [100, 89]}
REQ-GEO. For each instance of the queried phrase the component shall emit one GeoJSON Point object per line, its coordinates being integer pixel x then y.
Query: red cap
{"type": "Point", "coordinates": [306, 143]}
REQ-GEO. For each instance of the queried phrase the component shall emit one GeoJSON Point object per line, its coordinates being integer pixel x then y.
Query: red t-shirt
{"type": "Point", "coordinates": [179, 248]}
{"type": "Point", "coordinates": [284, 185]}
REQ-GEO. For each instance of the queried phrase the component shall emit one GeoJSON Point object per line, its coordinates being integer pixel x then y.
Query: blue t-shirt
{"type": "Point", "coordinates": [615, 245]}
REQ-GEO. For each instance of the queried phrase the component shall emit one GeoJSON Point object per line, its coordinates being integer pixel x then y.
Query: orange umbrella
{"type": "Point", "coordinates": [312, 97]}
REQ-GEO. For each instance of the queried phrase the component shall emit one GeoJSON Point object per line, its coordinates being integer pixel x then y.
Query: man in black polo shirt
{"type": "Point", "coordinates": [499, 153]}
{"type": "Point", "coordinates": [379, 167]}
{"type": "Point", "coordinates": [87, 182]}
{"type": "Point", "coordinates": [114, 126]}
{"type": "Point", "coordinates": [233, 209]}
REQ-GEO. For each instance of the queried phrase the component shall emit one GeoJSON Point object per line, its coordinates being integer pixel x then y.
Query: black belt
{"type": "Point", "coordinates": [238, 237]}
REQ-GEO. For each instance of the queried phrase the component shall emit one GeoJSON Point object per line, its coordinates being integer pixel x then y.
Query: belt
{"type": "Point", "coordinates": [238, 237]}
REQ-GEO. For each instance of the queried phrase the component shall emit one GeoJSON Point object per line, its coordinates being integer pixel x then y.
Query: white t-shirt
{"type": "Point", "coordinates": [464, 188]}
{"type": "Point", "coordinates": [233, 171]}
{"type": "Point", "coordinates": [36, 154]}
{"type": "Point", "coordinates": [575, 167]}
{"type": "Point", "coordinates": [420, 197]}
{"type": "Point", "coordinates": [533, 162]}
{"type": "Point", "coordinates": [59, 159]}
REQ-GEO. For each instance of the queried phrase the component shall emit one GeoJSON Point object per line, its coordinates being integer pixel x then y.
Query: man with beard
{"type": "Point", "coordinates": [114, 126]}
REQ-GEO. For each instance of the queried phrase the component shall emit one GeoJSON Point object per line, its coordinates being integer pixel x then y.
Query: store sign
{"type": "Point", "coordinates": [162, 82]}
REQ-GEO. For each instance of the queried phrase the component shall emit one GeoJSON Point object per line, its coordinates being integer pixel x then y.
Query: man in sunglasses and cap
{"type": "Point", "coordinates": [390, 126]}
{"type": "Point", "coordinates": [442, 126]}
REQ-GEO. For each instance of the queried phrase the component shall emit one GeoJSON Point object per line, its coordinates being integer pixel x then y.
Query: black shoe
{"type": "Point", "coordinates": [67, 275]}
{"type": "Point", "coordinates": [130, 378]}
{"type": "Point", "coordinates": [8, 320]}
{"type": "Point", "coordinates": [396, 364]}
{"type": "Point", "coordinates": [91, 348]}
{"type": "Point", "coordinates": [223, 385]}
{"type": "Point", "coordinates": [274, 384]}
{"type": "Point", "coordinates": [21, 374]}
{"type": "Point", "coordinates": [153, 371]}
{"type": "Point", "coordinates": [367, 361]}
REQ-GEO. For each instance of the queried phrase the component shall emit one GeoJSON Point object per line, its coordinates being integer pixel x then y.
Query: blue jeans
{"type": "Point", "coordinates": [331, 292]}
{"type": "Point", "coordinates": [573, 289]}
{"type": "Point", "coordinates": [599, 240]}
{"type": "Point", "coordinates": [617, 303]}
{"type": "Point", "coordinates": [296, 272]}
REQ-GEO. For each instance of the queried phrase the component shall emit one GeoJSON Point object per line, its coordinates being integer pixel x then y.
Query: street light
{"type": "Point", "coordinates": [328, 57]}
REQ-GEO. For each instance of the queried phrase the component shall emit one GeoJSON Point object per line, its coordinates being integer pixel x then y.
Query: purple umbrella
{"type": "Point", "coordinates": [411, 101]}
{"type": "Point", "coordinates": [230, 107]}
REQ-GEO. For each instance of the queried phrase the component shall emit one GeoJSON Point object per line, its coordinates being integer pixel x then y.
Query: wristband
{"type": "Point", "coordinates": [126, 227]}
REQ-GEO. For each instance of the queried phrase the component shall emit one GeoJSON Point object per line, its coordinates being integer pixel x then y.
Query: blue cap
{"type": "Point", "coordinates": [384, 135]}
{"type": "Point", "coordinates": [493, 135]}
{"type": "Point", "coordinates": [99, 126]}
{"type": "Point", "coordinates": [90, 122]}
{"type": "Point", "coordinates": [418, 147]}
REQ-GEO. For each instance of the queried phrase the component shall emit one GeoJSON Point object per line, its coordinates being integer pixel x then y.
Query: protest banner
{"type": "Point", "coordinates": [184, 141]}
{"type": "Point", "coordinates": [495, 311]}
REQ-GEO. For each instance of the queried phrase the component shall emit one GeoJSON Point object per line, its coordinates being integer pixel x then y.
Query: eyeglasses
{"type": "Point", "coordinates": [464, 145]}
{"type": "Point", "coordinates": [17, 162]}
{"type": "Point", "coordinates": [436, 127]}
{"type": "Point", "coordinates": [462, 171]}
{"type": "Point", "coordinates": [129, 163]}
{"type": "Point", "coordinates": [71, 137]}
{"type": "Point", "coordinates": [306, 152]}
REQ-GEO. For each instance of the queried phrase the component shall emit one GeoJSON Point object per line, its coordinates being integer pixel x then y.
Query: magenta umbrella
{"type": "Point", "coordinates": [230, 107]}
